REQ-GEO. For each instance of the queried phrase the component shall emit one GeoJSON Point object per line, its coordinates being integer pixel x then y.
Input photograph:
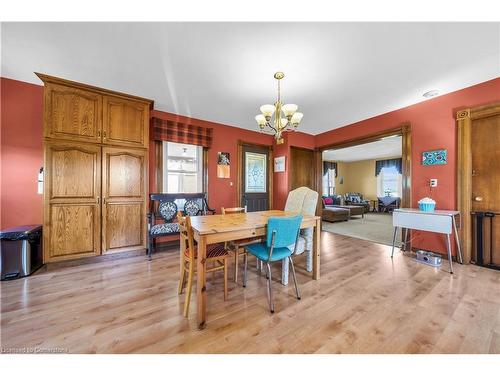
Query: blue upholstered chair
{"type": "Point", "coordinates": [282, 239]}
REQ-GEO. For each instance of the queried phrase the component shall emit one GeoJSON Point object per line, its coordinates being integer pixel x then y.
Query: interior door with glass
{"type": "Point", "coordinates": [255, 178]}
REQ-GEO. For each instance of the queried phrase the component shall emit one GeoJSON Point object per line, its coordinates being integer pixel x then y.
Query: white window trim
{"type": "Point", "coordinates": [199, 167]}
{"type": "Point", "coordinates": [380, 185]}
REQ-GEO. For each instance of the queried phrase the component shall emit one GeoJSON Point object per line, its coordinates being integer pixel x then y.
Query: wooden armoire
{"type": "Point", "coordinates": [95, 170]}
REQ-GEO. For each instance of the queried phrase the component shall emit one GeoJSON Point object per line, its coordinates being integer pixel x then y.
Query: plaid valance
{"type": "Point", "coordinates": [173, 131]}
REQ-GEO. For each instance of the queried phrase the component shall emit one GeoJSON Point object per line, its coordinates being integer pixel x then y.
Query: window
{"type": "Point", "coordinates": [182, 168]}
{"type": "Point", "coordinates": [389, 182]}
{"type": "Point", "coordinates": [329, 182]}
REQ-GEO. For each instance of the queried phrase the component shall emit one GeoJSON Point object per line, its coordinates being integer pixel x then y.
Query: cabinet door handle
{"type": "Point", "coordinates": [98, 200]}
{"type": "Point", "coordinates": [99, 134]}
{"type": "Point", "coordinates": [103, 200]}
{"type": "Point", "coordinates": [104, 134]}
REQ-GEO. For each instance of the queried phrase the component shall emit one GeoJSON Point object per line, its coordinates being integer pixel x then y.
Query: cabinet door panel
{"type": "Point", "coordinates": [124, 226]}
{"type": "Point", "coordinates": [125, 175]}
{"type": "Point", "coordinates": [126, 122]}
{"type": "Point", "coordinates": [74, 230]}
{"type": "Point", "coordinates": [124, 191]}
{"type": "Point", "coordinates": [73, 114]}
{"type": "Point", "coordinates": [73, 172]}
{"type": "Point", "coordinates": [72, 200]}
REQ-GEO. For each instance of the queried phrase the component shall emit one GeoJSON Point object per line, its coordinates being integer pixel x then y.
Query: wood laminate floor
{"type": "Point", "coordinates": [364, 303]}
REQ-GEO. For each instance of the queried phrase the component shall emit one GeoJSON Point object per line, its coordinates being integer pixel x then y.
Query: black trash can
{"type": "Point", "coordinates": [21, 251]}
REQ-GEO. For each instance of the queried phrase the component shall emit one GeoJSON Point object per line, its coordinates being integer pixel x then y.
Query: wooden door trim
{"type": "Point", "coordinates": [239, 169]}
{"type": "Point", "coordinates": [464, 120]}
{"type": "Point", "coordinates": [290, 163]}
{"type": "Point", "coordinates": [404, 130]}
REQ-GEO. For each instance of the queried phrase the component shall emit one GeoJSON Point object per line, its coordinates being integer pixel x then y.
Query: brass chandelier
{"type": "Point", "coordinates": [279, 124]}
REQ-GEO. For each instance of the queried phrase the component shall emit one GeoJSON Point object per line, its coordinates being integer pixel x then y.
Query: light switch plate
{"type": "Point", "coordinates": [433, 182]}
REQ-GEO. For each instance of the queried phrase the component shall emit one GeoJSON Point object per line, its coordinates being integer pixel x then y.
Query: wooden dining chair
{"type": "Point", "coordinates": [237, 247]}
{"type": "Point", "coordinates": [217, 256]}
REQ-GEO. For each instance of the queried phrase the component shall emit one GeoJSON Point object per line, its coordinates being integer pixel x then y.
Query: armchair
{"type": "Point", "coordinates": [303, 201]}
{"type": "Point", "coordinates": [164, 207]}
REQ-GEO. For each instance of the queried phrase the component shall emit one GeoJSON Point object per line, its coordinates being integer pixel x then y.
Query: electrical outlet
{"type": "Point", "coordinates": [433, 182]}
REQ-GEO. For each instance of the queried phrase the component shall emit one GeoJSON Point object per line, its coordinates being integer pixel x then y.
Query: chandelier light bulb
{"type": "Point", "coordinates": [296, 118]}
{"type": "Point", "coordinates": [267, 110]}
{"type": "Point", "coordinates": [289, 109]}
{"type": "Point", "coordinates": [261, 120]}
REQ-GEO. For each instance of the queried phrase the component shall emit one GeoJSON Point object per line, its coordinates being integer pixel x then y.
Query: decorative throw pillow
{"type": "Point", "coordinates": [328, 201]}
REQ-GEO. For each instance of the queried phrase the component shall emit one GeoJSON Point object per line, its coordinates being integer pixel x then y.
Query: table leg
{"type": "Point", "coordinates": [316, 249]}
{"type": "Point", "coordinates": [201, 284]}
{"type": "Point", "coordinates": [394, 240]}
{"type": "Point", "coordinates": [459, 249]}
{"type": "Point", "coordinates": [448, 244]}
{"type": "Point", "coordinates": [406, 239]}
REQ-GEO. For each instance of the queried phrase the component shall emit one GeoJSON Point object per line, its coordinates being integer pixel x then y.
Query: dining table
{"type": "Point", "coordinates": [224, 228]}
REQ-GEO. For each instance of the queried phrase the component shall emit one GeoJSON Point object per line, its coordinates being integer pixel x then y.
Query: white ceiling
{"type": "Point", "coordinates": [385, 148]}
{"type": "Point", "coordinates": [338, 73]}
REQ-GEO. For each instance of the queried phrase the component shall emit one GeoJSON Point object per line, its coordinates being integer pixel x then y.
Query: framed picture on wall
{"type": "Point", "coordinates": [434, 157]}
{"type": "Point", "coordinates": [279, 164]}
{"type": "Point", "coordinates": [223, 165]}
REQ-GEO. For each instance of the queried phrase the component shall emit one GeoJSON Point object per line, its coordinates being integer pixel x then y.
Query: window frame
{"type": "Point", "coordinates": [161, 159]}
{"type": "Point", "coordinates": [381, 183]}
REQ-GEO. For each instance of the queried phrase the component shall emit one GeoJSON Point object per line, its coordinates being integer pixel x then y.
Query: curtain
{"type": "Point", "coordinates": [397, 163]}
{"type": "Point", "coordinates": [173, 131]}
{"type": "Point", "coordinates": [329, 165]}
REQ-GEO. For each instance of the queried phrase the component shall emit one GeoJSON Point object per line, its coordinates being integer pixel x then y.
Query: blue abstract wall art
{"type": "Point", "coordinates": [435, 157]}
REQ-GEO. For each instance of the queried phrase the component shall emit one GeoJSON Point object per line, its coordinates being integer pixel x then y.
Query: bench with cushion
{"type": "Point", "coordinates": [164, 207]}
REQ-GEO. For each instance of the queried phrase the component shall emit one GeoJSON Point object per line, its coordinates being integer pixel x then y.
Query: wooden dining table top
{"type": "Point", "coordinates": [210, 224]}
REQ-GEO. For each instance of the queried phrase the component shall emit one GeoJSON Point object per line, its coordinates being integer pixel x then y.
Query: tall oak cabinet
{"type": "Point", "coordinates": [96, 167]}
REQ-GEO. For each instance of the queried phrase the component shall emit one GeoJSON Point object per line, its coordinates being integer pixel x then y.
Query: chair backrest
{"type": "Point", "coordinates": [186, 234]}
{"type": "Point", "coordinates": [166, 205]}
{"type": "Point", "coordinates": [285, 229]}
{"type": "Point", "coordinates": [302, 200]}
{"type": "Point", "coordinates": [233, 210]}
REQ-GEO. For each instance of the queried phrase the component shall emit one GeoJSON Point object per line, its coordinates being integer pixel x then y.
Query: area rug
{"type": "Point", "coordinates": [376, 227]}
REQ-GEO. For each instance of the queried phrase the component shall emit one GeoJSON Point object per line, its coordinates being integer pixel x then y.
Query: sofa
{"type": "Point", "coordinates": [356, 199]}
{"type": "Point", "coordinates": [334, 211]}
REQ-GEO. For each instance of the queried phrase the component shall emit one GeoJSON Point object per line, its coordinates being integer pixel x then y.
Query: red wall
{"type": "Point", "coordinates": [280, 179]}
{"type": "Point", "coordinates": [225, 139]}
{"type": "Point", "coordinates": [21, 152]}
{"type": "Point", "coordinates": [433, 127]}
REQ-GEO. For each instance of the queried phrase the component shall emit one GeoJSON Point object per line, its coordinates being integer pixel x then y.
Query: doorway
{"type": "Point", "coordinates": [254, 180]}
{"type": "Point", "coordinates": [478, 173]}
{"type": "Point", "coordinates": [362, 182]}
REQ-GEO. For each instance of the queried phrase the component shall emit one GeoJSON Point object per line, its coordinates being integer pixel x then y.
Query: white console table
{"type": "Point", "coordinates": [438, 221]}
